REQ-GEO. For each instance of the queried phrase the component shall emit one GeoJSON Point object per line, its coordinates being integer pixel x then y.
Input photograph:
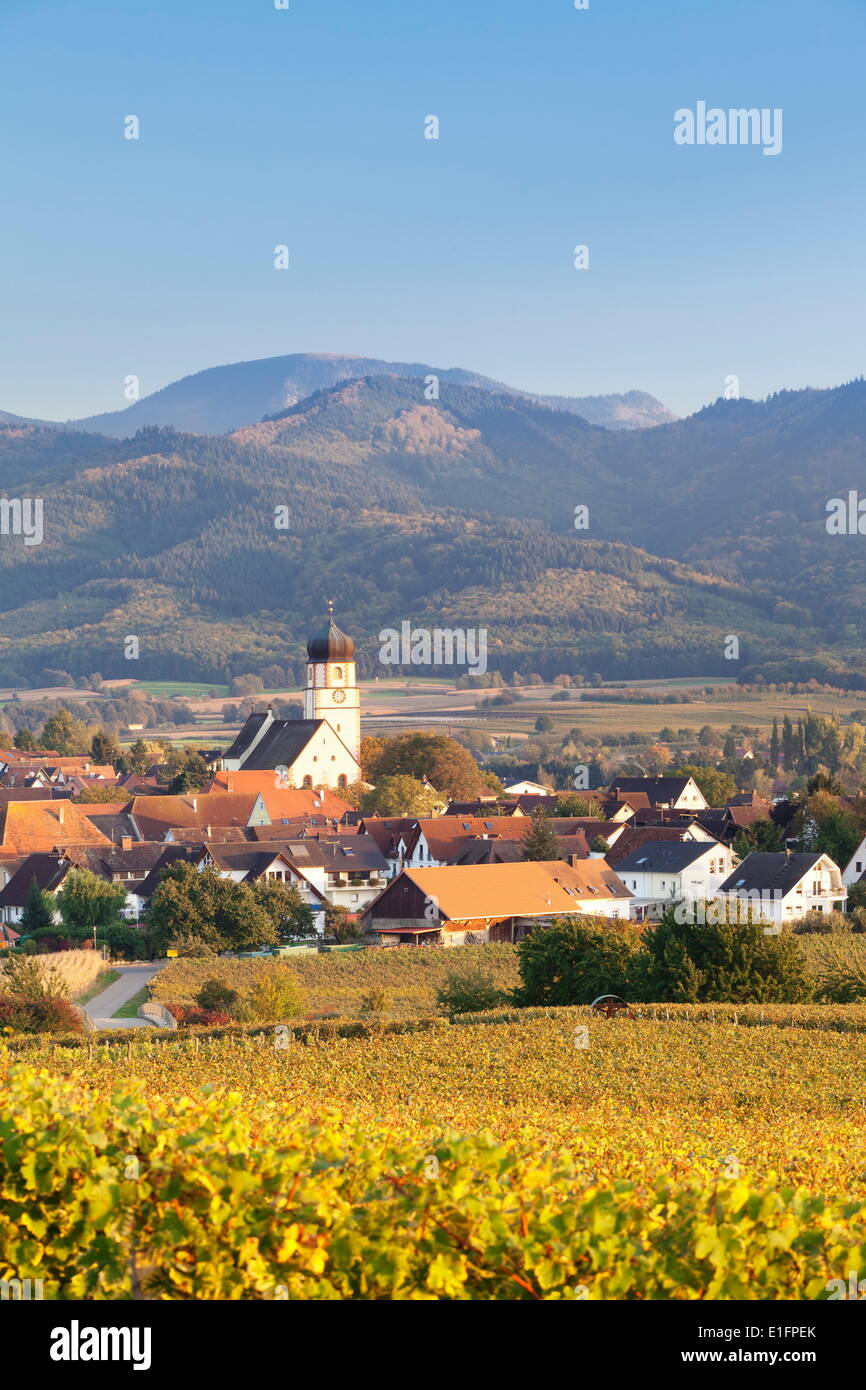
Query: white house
{"type": "Point", "coordinates": [782, 887]}
{"type": "Point", "coordinates": [526, 789]}
{"type": "Point", "coordinates": [664, 793]}
{"type": "Point", "coordinates": [856, 866]}
{"type": "Point", "coordinates": [662, 872]}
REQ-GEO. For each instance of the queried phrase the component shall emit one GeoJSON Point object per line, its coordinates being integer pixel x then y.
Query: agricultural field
{"type": "Point", "coordinates": [336, 984]}
{"type": "Point", "coordinates": [561, 1156]}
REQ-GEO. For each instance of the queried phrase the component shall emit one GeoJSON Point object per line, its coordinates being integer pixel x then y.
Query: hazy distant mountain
{"type": "Point", "coordinates": [457, 512]}
{"type": "Point", "coordinates": [221, 399]}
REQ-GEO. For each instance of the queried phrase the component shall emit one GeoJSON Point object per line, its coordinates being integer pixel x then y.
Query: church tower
{"type": "Point", "coordinates": [331, 691]}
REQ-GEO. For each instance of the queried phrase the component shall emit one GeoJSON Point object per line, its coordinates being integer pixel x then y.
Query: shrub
{"type": "Point", "coordinates": [575, 960]}
{"type": "Point", "coordinates": [41, 1014]}
{"type": "Point", "coordinates": [189, 945]}
{"type": "Point", "coordinates": [31, 979]}
{"type": "Point", "coordinates": [216, 994]}
{"type": "Point", "coordinates": [824, 923]}
{"type": "Point", "coordinates": [841, 973]}
{"type": "Point", "coordinates": [469, 991]}
{"type": "Point", "coordinates": [725, 961]}
{"type": "Point", "coordinates": [375, 1001]}
{"type": "Point", "coordinates": [277, 995]}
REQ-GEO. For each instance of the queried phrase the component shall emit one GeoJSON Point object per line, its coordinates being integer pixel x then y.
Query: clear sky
{"type": "Point", "coordinates": [305, 127]}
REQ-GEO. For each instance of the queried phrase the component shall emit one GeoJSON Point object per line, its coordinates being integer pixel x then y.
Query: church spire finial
{"type": "Point", "coordinates": [330, 608]}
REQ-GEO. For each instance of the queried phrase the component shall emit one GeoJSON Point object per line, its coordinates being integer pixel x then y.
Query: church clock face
{"type": "Point", "coordinates": [339, 696]}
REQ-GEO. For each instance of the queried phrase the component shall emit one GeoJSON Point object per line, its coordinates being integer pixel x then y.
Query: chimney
{"type": "Point", "coordinates": [194, 803]}
{"type": "Point", "coordinates": [209, 831]}
{"type": "Point", "coordinates": [126, 842]}
{"type": "Point", "coordinates": [61, 814]}
{"type": "Point", "coordinates": [230, 784]}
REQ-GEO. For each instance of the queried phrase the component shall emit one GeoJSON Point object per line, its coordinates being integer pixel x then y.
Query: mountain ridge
{"type": "Point", "coordinates": [459, 511]}
{"type": "Point", "coordinates": [221, 399]}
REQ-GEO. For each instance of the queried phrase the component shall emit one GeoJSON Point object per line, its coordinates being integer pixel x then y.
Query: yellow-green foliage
{"type": "Point", "coordinates": [661, 1161]}
{"type": "Point", "coordinates": [338, 984]}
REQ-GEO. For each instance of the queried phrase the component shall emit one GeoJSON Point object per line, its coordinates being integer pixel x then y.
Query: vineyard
{"type": "Point", "coordinates": [337, 984]}
{"type": "Point", "coordinates": [562, 1156]}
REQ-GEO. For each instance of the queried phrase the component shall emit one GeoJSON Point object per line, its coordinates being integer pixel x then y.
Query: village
{"type": "Point", "coordinates": [492, 869]}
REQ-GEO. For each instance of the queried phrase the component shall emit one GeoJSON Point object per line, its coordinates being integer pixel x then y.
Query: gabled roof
{"type": "Point", "coordinates": [779, 872]}
{"type": "Point", "coordinates": [281, 801]}
{"type": "Point", "coordinates": [170, 855]}
{"type": "Point", "coordinates": [155, 816]}
{"type": "Point", "coordinates": [32, 827]}
{"type": "Point", "coordinates": [635, 837]}
{"type": "Point", "coordinates": [246, 734]}
{"type": "Point", "coordinates": [338, 854]}
{"type": "Point", "coordinates": [657, 789]}
{"type": "Point", "coordinates": [665, 856]}
{"type": "Point", "coordinates": [284, 742]}
{"type": "Point", "coordinates": [49, 871]}
{"type": "Point", "coordinates": [534, 888]}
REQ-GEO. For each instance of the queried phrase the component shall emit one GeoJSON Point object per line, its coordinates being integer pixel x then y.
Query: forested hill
{"type": "Point", "coordinates": [456, 512]}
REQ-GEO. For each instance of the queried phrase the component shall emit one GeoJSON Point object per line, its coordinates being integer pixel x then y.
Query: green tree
{"type": "Point", "coordinates": [26, 740]}
{"type": "Point", "coordinates": [541, 840]}
{"type": "Point", "coordinates": [65, 734]}
{"type": "Point", "coordinates": [38, 913]}
{"type": "Point", "coordinates": [192, 775]}
{"type": "Point", "coordinates": [573, 804]}
{"type": "Point", "coordinates": [223, 914]}
{"type": "Point", "coordinates": [104, 748]}
{"type": "Point", "coordinates": [139, 758]}
{"type": "Point", "coordinates": [723, 962]}
{"type": "Point", "coordinates": [291, 916]}
{"type": "Point", "coordinates": [399, 796]}
{"type": "Point", "coordinates": [87, 901]}
{"type": "Point", "coordinates": [446, 764]}
{"type": "Point", "coordinates": [762, 836]}
{"type": "Point", "coordinates": [575, 960]}
{"type": "Point", "coordinates": [469, 991]}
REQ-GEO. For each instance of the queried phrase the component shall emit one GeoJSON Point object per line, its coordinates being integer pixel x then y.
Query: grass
{"type": "Point", "coordinates": [106, 978]}
{"type": "Point", "coordinates": [130, 1008]}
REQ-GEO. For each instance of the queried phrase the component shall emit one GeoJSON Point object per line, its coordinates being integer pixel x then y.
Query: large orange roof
{"type": "Point", "coordinates": [155, 815]}
{"type": "Point", "coordinates": [281, 801]}
{"type": "Point", "coordinates": [35, 827]}
{"type": "Point", "coordinates": [533, 888]}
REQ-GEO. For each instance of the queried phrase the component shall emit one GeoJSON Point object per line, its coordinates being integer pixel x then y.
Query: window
{"type": "Point", "coordinates": [859, 867]}
{"type": "Point", "coordinates": [307, 783]}
{"type": "Point", "coordinates": [342, 781]}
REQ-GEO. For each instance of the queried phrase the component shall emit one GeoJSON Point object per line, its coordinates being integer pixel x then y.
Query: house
{"type": "Point", "coordinates": [156, 817]}
{"type": "Point", "coordinates": [48, 870]}
{"type": "Point", "coordinates": [33, 827]}
{"type": "Point", "coordinates": [526, 789]}
{"type": "Point", "coordinates": [782, 887]}
{"type": "Point", "coordinates": [855, 869]}
{"type": "Point", "coordinates": [671, 793]}
{"type": "Point", "coordinates": [282, 802]}
{"type": "Point", "coordinates": [252, 863]}
{"type": "Point", "coordinates": [632, 837]}
{"type": "Point", "coordinates": [346, 870]}
{"type": "Point", "coordinates": [662, 872]}
{"type": "Point", "coordinates": [454, 904]}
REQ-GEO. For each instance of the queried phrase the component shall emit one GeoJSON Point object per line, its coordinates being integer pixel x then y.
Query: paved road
{"type": "Point", "coordinates": [132, 979]}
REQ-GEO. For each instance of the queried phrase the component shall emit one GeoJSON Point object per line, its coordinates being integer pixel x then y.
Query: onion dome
{"type": "Point", "coordinates": [329, 643]}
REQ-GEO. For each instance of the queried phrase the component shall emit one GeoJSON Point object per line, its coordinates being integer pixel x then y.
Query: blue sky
{"type": "Point", "coordinates": [306, 127]}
